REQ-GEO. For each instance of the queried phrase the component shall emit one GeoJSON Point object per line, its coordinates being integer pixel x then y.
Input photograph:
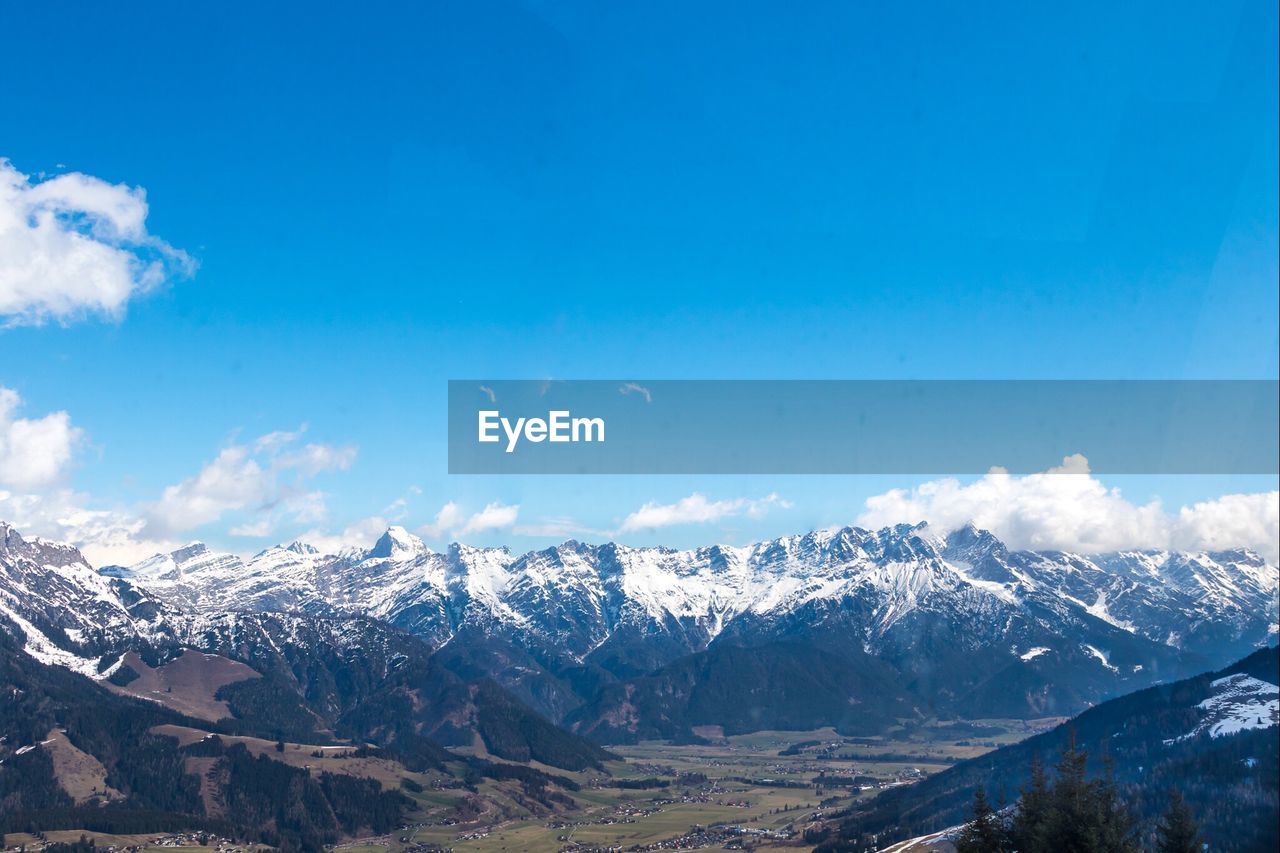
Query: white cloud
{"type": "Point", "coordinates": [1230, 522]}
{"type": "Point", "coordinates": [73, 246]}
{"type": "Point", "coordinates": [453, 519]}
{"type": "Point", "coordinates": [274, 441]}
{"type": "Point", "coordinates": [33, 452]}
{"type": "Point", "coordinates": [234, 480]}
{"type": "Point", "coordinates": [258, 477]}
{"type": "Point", "coordinates": [494, 516]}
{"type": "Point", "coordinates": [696, 509]}
{"type": "Point", "coordinates": [266, 477]}
{"type": "Point", "coordinates": [1066, 508]}
{"type": "Point", "coordinates": [307, 507]}
{"type": "Point", "coordinates": [318, 458]}
{"type": "Point", "coordinates": [450, 517]}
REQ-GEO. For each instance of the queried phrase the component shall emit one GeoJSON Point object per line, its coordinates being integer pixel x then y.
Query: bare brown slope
{"type": "Point", "coordinates": [187, 684]}
{"type": "Point", "coordinates": [79, 773]}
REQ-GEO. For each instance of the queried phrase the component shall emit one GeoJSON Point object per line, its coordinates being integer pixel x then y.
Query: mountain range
{"type": "Point", "coordinates": [599, 638]}
{"type": "Point", "coordinates": [464, 661]}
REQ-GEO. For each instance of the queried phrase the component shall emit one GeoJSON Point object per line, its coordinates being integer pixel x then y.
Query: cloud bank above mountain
{"type": "Point", "coordinates": [1067, 508]}
{"type": "Point", "coordinates": [264, 482]}
{"type": "Point", "coordinates": [265, 487]}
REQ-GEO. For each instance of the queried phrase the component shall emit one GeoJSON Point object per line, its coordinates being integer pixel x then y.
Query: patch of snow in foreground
{"type": "Point", "coordinates": [1032, 654]}
{"type": "Point", "coordinates": [937, 842]}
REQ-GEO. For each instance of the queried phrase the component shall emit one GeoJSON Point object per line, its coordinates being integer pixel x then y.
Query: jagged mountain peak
{"type": "Point", "coordinates": [193, 558]}
{"type": "Point", "coordinates": [8, 535]}
{"type": "Point", "coordinates": [39, 550]}
{"type": "Point", "coordinates": [972, 544]}
{"type": "Point", "coordinates": [190, 551]}
{"type": "Point", "coordinates": [396, 543]}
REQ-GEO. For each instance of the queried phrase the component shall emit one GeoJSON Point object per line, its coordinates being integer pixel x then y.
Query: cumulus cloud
{"type": "Point", "coordinates": [1066, 508]}
{"type": "Point", "coordinates": [494, 516]}
{"type": "Point", "coordinates": [453, 520]}
{"type": "Point", "coordinates": [234, 480]}
{"type": "Point", "coordinates": [307, 507]}
{"type": "Point", "coordinates": [73, 246]}
{"type": "Point", "coordinates": [696, 509]}
{"type": "Point", "coordinates": [1230, 522]}
{"type": "Point", "coordinates": [34, 452]}
{"type": "Point", "coordinates": [449, 518]}
{"type": "Point", "coordinates": [260, 476]}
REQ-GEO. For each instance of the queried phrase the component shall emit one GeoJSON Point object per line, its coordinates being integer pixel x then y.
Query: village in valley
{"type": "Point", "coordinates": [741, 792]}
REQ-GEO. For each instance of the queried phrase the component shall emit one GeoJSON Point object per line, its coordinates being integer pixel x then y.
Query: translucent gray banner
{"type": "Point", "coordinates": [860, 427]}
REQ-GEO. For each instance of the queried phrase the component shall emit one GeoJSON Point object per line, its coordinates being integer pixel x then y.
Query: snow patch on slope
{"type": "Point", "coordinates": [43, 649]}
{"type": "Point", "coordinates": [1239, 703]}
{"type": "Point", "coordinates": [1102, 656]}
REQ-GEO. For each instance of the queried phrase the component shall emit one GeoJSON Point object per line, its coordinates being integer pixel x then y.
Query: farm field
{"type": "Point", "coordinates": [761, 789]}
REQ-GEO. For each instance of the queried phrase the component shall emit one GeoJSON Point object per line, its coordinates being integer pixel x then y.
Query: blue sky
{"type": "Point", "coordinates": [380, 198]}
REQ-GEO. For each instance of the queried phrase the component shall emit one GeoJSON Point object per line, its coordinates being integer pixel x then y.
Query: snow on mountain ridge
{"type": "Point", "coordinates": [865, 586]}
{"type": "Point", "coordinates": [580, 594]}
{"type": "Point", "coordinates": [68, 613]}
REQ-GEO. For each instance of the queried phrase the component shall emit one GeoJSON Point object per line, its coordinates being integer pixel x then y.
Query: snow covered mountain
{"type": "Point", "coordinates": [72, 616]}
{"type": "Point", "coordinates": [579, 598]}
{"type": "Point", "coordinates": [968, 624]}
{"type": "Point", "coordinates": [1222, 602]}
{"type": "Point", "coordinates": [69, 614]}
{"type": "Point", "coordinates": [317, 672]}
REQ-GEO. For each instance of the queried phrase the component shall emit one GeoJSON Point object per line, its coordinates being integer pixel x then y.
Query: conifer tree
{"type": "Point", "coordinates": [1115, 829]}
{"type": "Point", "coordinates": [1177, 832]}
{"type": "Point", "coordinates": [1070, 826]}
{"type": "Point", "coordinates": [985, 833]}
{"type": "Point", "coordinates": [1032, 817]}
{"type": "Point", "coordinates": [1074, 814]}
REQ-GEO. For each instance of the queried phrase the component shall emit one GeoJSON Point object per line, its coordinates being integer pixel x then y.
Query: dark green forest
{"type": "Point", "coordinates": [1229, 784]}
